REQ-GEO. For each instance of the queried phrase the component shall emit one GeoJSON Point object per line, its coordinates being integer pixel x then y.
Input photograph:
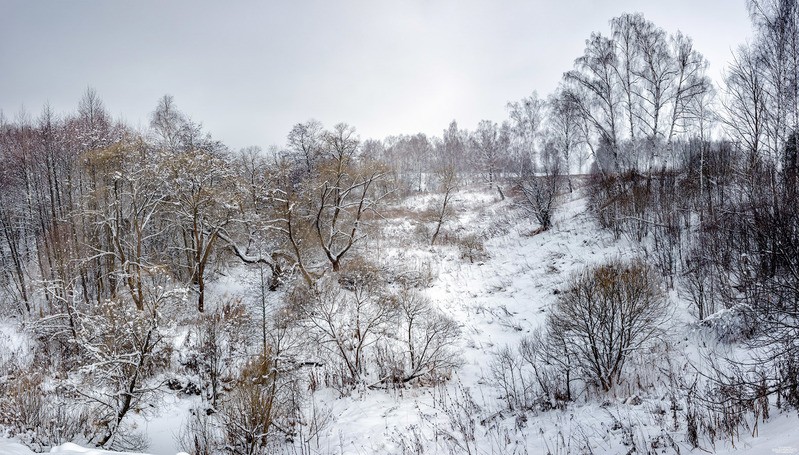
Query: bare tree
{"type": "Point", "coordinates": [120, 352]}
{"type": "Point", "coordinates": [594, 90]}
{"type": "Point", "coordinates": [624, 30]}
{"type": "Point", "coordinates": [776, 24]}
{"type": "Point", "coordinates": [449, 184]}
{"type": "Point", "coordinates": [429, 338]}
{"type": "Point", "coordinates": [306, 141]}
{"type": "Point", "coordinates": [563, 130]}
{"type": "Point", "coordinates": [204, 199]}
{"type": "Point", "coordinates": [642, 78]}
{"type": "Point", "coordinates": [344, 192]}
{"type": "Point", "coordinates": [411, 157]}
{"type": "Point", "coordinates": [691, 88]}
{"type": "Point", "coordinates": [452, 152]}
{"type": "Point", "coordinates": [527, 116]}
{"type": "Point", "coordinates": [488, 144]}
{"type": "Point", "coordinates": [133, 203]}
{"type": "Point", "coordinates": [13, 257]}
{"type": "Point", "coordinates": [540, 191]}
{"type": "Point", "coordinates": [745, 103]}
{"type": "Point", "coordinates": [346, 322]}
{"type": "Point", "coordinates": [167, 121]}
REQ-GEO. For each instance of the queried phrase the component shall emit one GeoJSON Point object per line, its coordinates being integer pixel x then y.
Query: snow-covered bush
{"type": "Point", "coordinates": [472, 247]}
{"type": "Point", "coordinates": [213, 352]}
{"type": "Point", "coordinates": [606, 313]}
{"type": "Point", "coordinates": [259, 412]}
{"type": "Point", "coordinates": [343, 324]}
{"type": "Point", "coordinates": [262, 409]}
{"type": "Point", "coordinates": [508, 374]}
{"type": "Point", "coordinates": [540, 192]}
{"type": "Point", "coordinates": [536, 375]}
{"type": "Point", "coordinates": [553, 364]}
{"type": "Point", "coordinates": [368, 325]}
{"type": "Point", "coordinates": [426, 341]}
{"type": "Point", "coordinates": [731, 325]}
{"type": "Point", "coordinates": [42, 418]}
{"type": "Point", "coordinates": [123, 350]}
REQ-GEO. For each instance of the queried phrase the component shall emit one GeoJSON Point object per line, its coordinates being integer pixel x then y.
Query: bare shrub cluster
{"type": "Point", "coordinates": [353, 320]}
{"type": "Point", "coordinates": [606, 314]}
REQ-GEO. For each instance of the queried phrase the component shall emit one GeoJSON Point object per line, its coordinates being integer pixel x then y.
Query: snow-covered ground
{"type": "Point", "coordinates": [8, 447]}
{"type": "Point", "coordinates": [497, 299]}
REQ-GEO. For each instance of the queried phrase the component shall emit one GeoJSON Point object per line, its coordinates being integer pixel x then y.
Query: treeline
{"type": "Point", "coordinates": [91, 203]}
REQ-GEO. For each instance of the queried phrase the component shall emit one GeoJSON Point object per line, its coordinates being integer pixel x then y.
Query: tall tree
{"type": "Point", "coordinates": [526, 117]}
{"type": "Point", "coordinates": [488, 144]}
{"type": "Point", "coordinates": [344, 194]}
{"type": "Point", "coordinates": [643, 79]}
{"type": "Point", "coordinates": [691, 87]}
{"type": "Point", "coordinates": [776, 46]}
{"type": "Point", "coordinates": [563, 130]}
{"type": "Point", "coordinates": [593, 88]}
{"type": "Point", "coordinates": [167, 122]}
{"type": "Point", "coordinates": [306, 142]}
{"type": "Point", "coordinates": [745, 103]}
{"type": "Point", "coordinates": [452, 150]}
{"type": "Point", "coordinates": [203, 199]}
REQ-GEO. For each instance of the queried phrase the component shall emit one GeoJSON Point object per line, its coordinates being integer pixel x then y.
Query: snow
{"type": "Point", "coordinates": [497, 301]}
{"type": "Point", "coordinates": [163, 429]}
{"type": "Point", "coordinates": [780, 435]}
{"type": "Point", "coordinates": [74, 449]}
{"type": "Point", "coordinates": [8, 447]}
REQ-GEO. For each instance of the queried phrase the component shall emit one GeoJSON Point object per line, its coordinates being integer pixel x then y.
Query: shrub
{"type": "Point", "coordinates": [471, 247]}
{"type": "Point", "coordinates": [606, 313]}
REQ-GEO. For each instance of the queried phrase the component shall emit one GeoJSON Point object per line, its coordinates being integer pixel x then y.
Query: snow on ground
{"type": "Point", "coordinates": [497, 299]}
{"type": "Point", "coordinates": [74, 449]}
{"type": "Point", "coordinates": [164, 428]}
{"type": "Point", "coordinates": [507, 295]}
{"type": "Point", "coordinates": [8, 447]}
{"type": "Point", "coordinates": [780, 435]}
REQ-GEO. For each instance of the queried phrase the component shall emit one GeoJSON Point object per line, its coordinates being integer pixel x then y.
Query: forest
{"type": "Point", "coordinates": [264, 293]}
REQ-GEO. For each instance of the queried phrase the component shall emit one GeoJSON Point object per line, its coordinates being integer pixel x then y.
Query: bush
{"type": "Point", "coordinates": [42, 419]}
{"type": "Point", "coordinates": [260, 409]}
{"type": "Point", "coordinates": [345, 323]}
{"type": "Point", "coordinates": [471, 247]}
{"type": "Point", "coordinates": [606, 313]}
{"type": "Point", "coordinates": [537, 375]}
{"type": "Point", "coordinates": [429, 337]}
{"type": "Point", "coordinates": [212, 351]}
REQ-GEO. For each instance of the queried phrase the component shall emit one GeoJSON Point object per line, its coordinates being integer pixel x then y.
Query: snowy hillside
{"type": "Point", "coordinates": [498, 291]}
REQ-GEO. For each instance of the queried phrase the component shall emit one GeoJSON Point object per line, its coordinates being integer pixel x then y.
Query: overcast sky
{"type": "Point", "coordinates": [250, 70]}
